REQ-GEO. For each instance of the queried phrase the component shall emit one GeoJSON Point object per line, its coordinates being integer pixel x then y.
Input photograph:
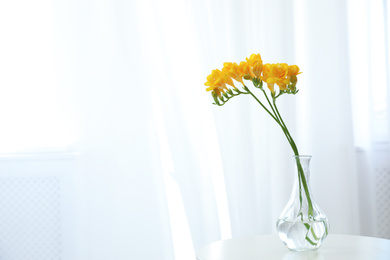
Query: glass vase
{"type": "Point", "coordinates": [302, 226]}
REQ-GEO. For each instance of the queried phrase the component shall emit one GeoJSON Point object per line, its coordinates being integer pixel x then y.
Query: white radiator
{"type": "Point", "coordinates": [30, 218]}
{"type": "Point", "coordinates": [382, 202]}
{"type": "Point", "coordinates": [381, 189]}
{"type": "Point", "coordinates": [34, 195]}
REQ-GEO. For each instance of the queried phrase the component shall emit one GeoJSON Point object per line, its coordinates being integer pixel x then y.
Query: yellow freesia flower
{"type": "Point", "coordinates": [254, 58]}
{"type": "Point", "coordinates": [257, 68]}
{"type": "Point", "coordinates": [217, 81]}
{"type": "Point", "coordinates": [227, 79]}
{"type": "Point", "coordinates": [246, 70]}
{"type": "Point", "coordinates": [280, 70]}
{"type": "Point", "coordinates": [268, 77]}
{"type": "Point", "coordinates": [256, 63]}
{"type": "Point", "coordinates": [276, 73]}
{"type": "Point", "coordinates": [293, 70]}
{"type": "Point", "coordinates": [267, 73]}
{"type": "Point", "coordinates": [233, 70]}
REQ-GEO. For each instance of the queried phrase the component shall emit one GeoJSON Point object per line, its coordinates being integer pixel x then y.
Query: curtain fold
{"type": "Point", "coordinates": [125, 212]}
{"type": "Point", "coordinates": [328, 112]}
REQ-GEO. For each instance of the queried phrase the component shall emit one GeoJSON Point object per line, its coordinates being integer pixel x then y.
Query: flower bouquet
{"type": "Point", "coordinates": [302, 225]}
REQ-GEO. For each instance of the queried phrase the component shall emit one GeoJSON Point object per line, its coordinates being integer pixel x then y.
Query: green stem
{"type": "Point", "coordinates": [299, 166]}
{"type": "Point", "coordinates": [269, 102]}
{"type": "Point", "coordinates": [278, 118]}
{"type": "Point", "coordinates": [301, 176]}
{"type": "Point", "coordinates": [274, 116]}
{"type": "Point", "coordinates": [262, 105]}
{"type": "Point", "coordinates": [291, 140]}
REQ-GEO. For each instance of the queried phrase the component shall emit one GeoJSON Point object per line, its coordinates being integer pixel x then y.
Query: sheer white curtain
{"type": "Point", "coordinates": [370, 72]}
{"type": "Point", "coordinates": [109, 82]}
{"type": "Point", "coordinates": [163, 172]}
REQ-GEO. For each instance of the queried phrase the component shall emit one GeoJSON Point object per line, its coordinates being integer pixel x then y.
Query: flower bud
{"type": "Point", "coordinates": [293, 80]}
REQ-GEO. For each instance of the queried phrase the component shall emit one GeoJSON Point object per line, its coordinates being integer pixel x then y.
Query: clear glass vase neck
{"type": "Point", "coordinates": [301, 189]}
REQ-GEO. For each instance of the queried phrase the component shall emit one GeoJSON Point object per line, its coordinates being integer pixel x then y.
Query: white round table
{"type": "Point", "coordinates": [270, 247]}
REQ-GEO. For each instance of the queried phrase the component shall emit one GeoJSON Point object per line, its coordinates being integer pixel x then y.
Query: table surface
{"type": "Point", "coordinates": [270, 247]}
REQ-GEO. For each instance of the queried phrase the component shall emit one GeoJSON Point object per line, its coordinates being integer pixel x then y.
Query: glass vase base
{"type": "Point", "coordinates": [302, 236]}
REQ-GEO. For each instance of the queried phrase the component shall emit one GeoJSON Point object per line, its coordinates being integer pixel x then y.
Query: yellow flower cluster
{"type": "Point", "coordinates": [253, 69]}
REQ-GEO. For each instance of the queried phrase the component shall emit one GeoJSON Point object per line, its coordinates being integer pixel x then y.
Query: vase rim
{"type": "Point", "coordinates": [302, 156]}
